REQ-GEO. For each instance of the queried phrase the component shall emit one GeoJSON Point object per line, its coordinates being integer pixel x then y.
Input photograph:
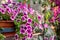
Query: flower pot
{"type": "Point", "coordinates": [7, 28]}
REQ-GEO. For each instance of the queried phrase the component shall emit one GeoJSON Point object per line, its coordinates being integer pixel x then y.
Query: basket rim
{"type": "Point", "coordinates": [6, 21]}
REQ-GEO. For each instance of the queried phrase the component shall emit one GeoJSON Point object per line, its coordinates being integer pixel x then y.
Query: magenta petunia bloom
{"type": "Point", "coordinates": [39, 17]}
{"type": "Point", "coordinates": [8, 9]}
{"type": "Point", "coordinates": [18, 20]}
{"type": "Point", "coordinates": [22, 31]}
{"type": "Point", "coordinates": [9, 1]}
{"type": "Point", "coordinates": [15, 12]}
{"type": "Point", "coordinates": [16, 36]}
{"type": "Point", "coordinates": [24, 38]}
{"type": "Point", "coordinates": [26, 16]}
{"type": "Point", "coordinates": [29, 35]}
{"type": "Point", "coordinates": [27, 24]}
{"type": "Point", "coordinates": [36, 24]}
{"type": "Point", "coordinates": [2, 10]}
{"type": "Point", "coordinates": [12, 17]}
{"type": "Point", "coordinates": [29, 27]}
{"type": "Point", "coordinates": [4, 5]}
{"type": "Point", "coordinates": [23, 19]}
{"type": "Point", "coordinates": [29, 20]}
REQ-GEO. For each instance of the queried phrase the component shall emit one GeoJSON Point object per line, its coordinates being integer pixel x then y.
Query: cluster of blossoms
{"type": "Point", "coordinates": [24, 18]}
{"type": "Point", "coordinates": [56, 14]}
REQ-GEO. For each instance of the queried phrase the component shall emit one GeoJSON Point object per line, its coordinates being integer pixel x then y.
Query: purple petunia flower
{"type": "Point", "coordinates": [18, 20]}
{"type": "Point", "coordinates": [8, 9]}
{"type": "Point", "coordinates": [23, 19]}
{"type": "Point", "coordinates": [2, 10]}
{"type": "Point", "coordinates": [22, 31]}
{"type": "Point", "coordinates": [29, 35]}
{"type": "Point", "coordinates": [4, 5]}
{"type": "Point", "coordinates": [35, 24]}
{"type": "Point", "coordinates": [12, 17]}
{"type": "Point", "coordinates": [16, 36]}
{"type": "Point", "coordinates": [29, 20]}
{"type": "Point", "coordinates": [15, 12]}
{"type": "Point", "coordinates": [27, 24]}
{"type": "Point", "coordinates": [24, 38]}
{"type": "Point", "coordinates": [26, 16]}
{"type": "Point", "coordinates": [29, 31]}
{"type": "Point", "coordinates": [29, 27]}
{"type": "Point", "coordinates": [9, 1]}
{"type": "Point", "coordinates": [39, 17]}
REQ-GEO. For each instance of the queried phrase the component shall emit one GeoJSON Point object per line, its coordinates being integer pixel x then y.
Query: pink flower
{"type": "Point", "coordinates": [45, 25]}
{"type": "Point", "coordinates": [51, 38]}
{"type": "Point", "coordinates": [41, 26]}
{"type": "Point", "coordinates": [29, 35]}
{"type": "Point", "coordinates": [29, 27]}
{"type": "Point", "coordinates": [15, 12]}
{"type": "Point", "coordinates": [2, 10]}
{"type": "Point", "coordinates": [22, 31]}
{"type": "Point", "coordinates": [23, 19]}
{"type": "Point", "coordinates": [31, 11]}
{"type": "Point", "coordinates": [36, 24]}
{"type": "Point", "coordinates": [12, 17]}
{"type": "Point", "coordinates": [8, 9]}
{"type": "Point", "coordinates": [39, 17]}
{"type": "Point", "coordinates": [16, 36]}
{"type": "Point", "coordinates": [29, 20]}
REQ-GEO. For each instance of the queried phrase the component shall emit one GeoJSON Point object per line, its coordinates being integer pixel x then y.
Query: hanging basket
{"type": "Point", "coordinates": [7, 28]}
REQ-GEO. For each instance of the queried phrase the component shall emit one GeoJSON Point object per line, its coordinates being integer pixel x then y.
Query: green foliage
{"type": "Point", "coordinates": [5, 17]}
{"type": "Point", "coordinates": [2, 37]}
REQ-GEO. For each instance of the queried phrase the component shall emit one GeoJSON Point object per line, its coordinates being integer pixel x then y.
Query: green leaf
{"type": "Point", "coordinates": [35, 20]}
{"type": "Point", "coordinates": [20, 0]}
{"type": "Point", "coordinates": [28, 1]}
